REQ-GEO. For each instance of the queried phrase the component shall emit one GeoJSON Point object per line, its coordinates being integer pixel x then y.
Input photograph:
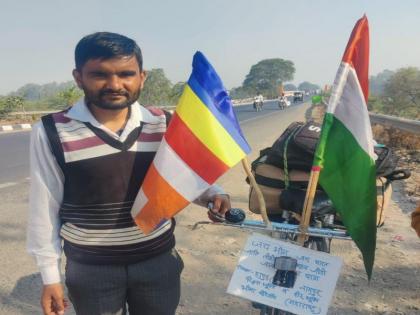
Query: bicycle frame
{"type": "Point", "coordinates": [282, 228]}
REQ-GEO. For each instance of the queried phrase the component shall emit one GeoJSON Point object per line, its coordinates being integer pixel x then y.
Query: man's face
{"type": "Point", "coordinates": [111, 84]}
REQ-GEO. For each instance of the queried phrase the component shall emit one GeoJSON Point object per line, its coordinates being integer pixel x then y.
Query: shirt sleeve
{"type": "Point", "coordinates": [208, 195]}
{"type": "Point", "coordinates": [45, 197]}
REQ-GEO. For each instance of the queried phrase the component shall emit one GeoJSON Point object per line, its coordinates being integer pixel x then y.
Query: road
{"type": "Point", "coordinates": [211, 253]}
{"type": "Point", "coordinates": [20, 283]}
{"type": "Point", "coordinates": [14, 153]}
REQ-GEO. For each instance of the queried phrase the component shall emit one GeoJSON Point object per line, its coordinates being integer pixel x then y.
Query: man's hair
{"type": "Point", "coordinates": [105, 45]}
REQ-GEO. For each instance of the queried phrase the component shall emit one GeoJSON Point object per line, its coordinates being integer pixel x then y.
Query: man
{"type": "Point", "coordinates": [258, 101]}
{"type": "Point", "coordinates": [87, 165]}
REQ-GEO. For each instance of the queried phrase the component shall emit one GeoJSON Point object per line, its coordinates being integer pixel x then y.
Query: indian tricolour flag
{"type": "Point", "coordinates": [345, 151]}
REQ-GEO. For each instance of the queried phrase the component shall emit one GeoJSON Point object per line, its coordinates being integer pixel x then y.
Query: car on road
{"type": "Point", "coordinates": [298, 97]}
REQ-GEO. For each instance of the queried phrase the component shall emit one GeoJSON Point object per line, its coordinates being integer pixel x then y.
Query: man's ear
{"type": "Point", "coordinates": [78, 78]}
{"type": "Point", "coordinates": [143, 77]}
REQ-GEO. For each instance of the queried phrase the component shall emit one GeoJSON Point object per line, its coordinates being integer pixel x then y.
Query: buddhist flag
{"type": "Point", "coordinates": [345, 151]}
{"type": "Point", "coordinates": [202, 142]}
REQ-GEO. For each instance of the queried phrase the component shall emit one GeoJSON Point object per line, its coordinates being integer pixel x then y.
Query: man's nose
{"type": "Point", "coordinates": [113, 83]}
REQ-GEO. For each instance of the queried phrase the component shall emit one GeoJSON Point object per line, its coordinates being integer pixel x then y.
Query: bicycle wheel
{"type": "Point", "coordinates": [267, 310]}
{"type": "Point", "coordinates": [319, 244]}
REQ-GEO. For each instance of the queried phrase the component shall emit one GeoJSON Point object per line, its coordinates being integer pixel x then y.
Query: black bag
{"type": "Point", "coordinates": [386, 162]}
{"type": "Point", "coordinates": [295, 148]}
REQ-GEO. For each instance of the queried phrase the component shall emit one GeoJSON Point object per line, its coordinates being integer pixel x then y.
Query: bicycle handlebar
{"type": "Point", "coordinates": [276, 226]}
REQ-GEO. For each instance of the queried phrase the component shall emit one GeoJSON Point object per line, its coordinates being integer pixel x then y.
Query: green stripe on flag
{"type": "Point", "coordinates": [348, 176]}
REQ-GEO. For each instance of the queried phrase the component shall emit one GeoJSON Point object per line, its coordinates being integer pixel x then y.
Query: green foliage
{"type": "Point", "coordinates": [240, 93]}
{"type": "Point", "coordinates": [266, 76]}
{"type": "Point", "coordinates": [378, 82]}
{"type": "Point", "coordinates": [176, 92]}
{"type": "Point", "coordinates": [9, 104]}
{"type": "Point", "coordinates": [36, 92]}
{"type": "Point", "coordinates": [157, 89]}
{"type": "Point", "coordinates": [401, 94]}
{"type": "Point", "coordinates": [290, 87]}
{"type": "Point", "coordinates": [65, 98]}
{"type": "Point", "coordinates": [307, 86]}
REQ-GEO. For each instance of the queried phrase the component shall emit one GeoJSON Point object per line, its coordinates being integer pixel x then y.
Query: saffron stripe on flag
{"type": "Point", "coordinates": [196, 115]}
{"type": "Point", "coordinates": [222, 109]}
{"type": "Point", "coordinates": [193, 152]}
{"type": "Point", "coordinates": [159, 199]}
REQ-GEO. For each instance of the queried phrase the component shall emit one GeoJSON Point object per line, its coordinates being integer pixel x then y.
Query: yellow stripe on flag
{"type": "Point", "coordinates": [207, 128]}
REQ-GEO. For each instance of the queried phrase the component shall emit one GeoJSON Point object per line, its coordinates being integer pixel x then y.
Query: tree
{"type": "Point", "coordinates": [290, 87]}
{"type": "Point", "coordinates": [378, 82]}
{"type": "Point", "coordinates": [267, 75]}
{"type": "Point", "coordinates": [307, 86]}
{"type": "Point", "coordinates": [240, 93]}
{"type": "Point", "coordinates": [69, 96]}
{"type": "Point", "coordinates": [157, 89]}
{"type": "Point", "coordinates": [9, 104]}
{"type": "Point", "coordinates": [176, 92]}
{"type": "Point", "coordinates": [401, 95]}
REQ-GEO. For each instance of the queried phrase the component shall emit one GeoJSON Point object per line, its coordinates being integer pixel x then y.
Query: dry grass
{"type": "Point", "coordinates": [395, 138]}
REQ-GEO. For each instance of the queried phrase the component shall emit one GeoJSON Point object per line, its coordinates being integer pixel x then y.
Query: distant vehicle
{"type": "Point", "coordinates": [298, 97]}
{"type": "Point", "coordinates": [258, 102]}
{"type": "Point", "coordinates": [283, 102]}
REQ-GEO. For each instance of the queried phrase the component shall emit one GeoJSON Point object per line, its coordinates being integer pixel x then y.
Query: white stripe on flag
{"type": "Point", "coordinates": [178, 174]}
{"type": "Point", "coordinates": [141, 200]}
{"type": "Point", "coordinates": [347, 103]}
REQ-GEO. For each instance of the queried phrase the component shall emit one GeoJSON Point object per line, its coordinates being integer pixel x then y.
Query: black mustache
{"type": "Point", "coordinates": [121, 93]}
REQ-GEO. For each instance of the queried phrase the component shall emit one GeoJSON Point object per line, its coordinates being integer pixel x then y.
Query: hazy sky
{"type": "Point", "coordinates": [38, 37]}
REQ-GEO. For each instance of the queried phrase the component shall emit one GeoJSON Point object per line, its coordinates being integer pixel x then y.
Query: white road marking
{"type": "Point", "coordinates": [25, 126]}
{"type": "Point", "coordinates": [253, 118]}
{"type": "Point", "coordinates": [4, 185]}
{"type": "Point", "coordinates": [7, 128]}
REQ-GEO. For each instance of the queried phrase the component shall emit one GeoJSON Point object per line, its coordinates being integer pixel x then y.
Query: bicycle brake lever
{"type": "Point", "coordinates": [214, 216]}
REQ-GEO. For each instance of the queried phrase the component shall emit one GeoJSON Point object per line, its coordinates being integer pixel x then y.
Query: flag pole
{"type": "Point", "coordinates": [254, 185]}
{"type": "Point", "coordinates": [307, 206]}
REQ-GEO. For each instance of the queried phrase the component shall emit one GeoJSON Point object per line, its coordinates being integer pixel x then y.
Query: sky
{"type": "Point", "coordinates": [38, 37]}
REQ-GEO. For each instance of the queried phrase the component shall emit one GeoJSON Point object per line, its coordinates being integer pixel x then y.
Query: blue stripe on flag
{"type": "Point", "coordinates": [208, 86]}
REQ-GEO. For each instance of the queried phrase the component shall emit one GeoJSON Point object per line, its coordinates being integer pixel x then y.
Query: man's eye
{"type": "Point", "coordinates": [98, 75]}
{"type": "Point", "coordinates": [127, 74]}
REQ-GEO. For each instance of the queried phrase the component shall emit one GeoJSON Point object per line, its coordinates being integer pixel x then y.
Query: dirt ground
{"type": "Point", "coordinates": [210, 255]}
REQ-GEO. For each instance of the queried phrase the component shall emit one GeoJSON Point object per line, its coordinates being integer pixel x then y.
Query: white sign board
{"type": "Point", "coordinates": [317, 275]}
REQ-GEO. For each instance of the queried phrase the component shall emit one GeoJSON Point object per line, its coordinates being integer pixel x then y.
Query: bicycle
{"type": "Point", "coordinates": [319, 235]}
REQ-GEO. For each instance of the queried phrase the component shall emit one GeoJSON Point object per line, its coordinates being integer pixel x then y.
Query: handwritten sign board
{"type": "Point", "coordinates": [317, 275]}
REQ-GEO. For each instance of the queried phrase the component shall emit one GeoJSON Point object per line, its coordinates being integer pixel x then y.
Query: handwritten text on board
{"type": "Point", "coordinates": [317, 275]}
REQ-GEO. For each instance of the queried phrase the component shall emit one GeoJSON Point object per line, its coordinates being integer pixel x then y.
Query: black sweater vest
{"type": "Point", "coordinates": [101, 179]}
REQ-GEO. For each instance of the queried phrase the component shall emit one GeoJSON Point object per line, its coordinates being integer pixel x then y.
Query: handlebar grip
{"type": "Point", "coordinates": [233, 215]}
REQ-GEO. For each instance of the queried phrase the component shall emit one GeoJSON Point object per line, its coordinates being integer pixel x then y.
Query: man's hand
{"type": "Point", "coordinates": [221, 204]}
{"type": "Point", "coordinates": [52, 299]}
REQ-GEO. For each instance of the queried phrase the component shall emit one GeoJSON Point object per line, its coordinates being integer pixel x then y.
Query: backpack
{"type": "Point", "coordinates": [296, 146]}
{"type": "Point", "coordinates": [386, 161]}
{"type": "Point", "coordinates": [295, 149]}
{"type": "Point", "coordinates": [282, 173]}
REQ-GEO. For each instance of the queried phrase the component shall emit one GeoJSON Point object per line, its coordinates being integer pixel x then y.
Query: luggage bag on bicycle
{"type": "Point", "coordinates": [282, 172]}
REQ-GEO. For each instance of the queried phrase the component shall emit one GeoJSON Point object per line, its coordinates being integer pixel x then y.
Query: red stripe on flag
{"type": "Point", "coordinates": [163, 201]}
{"type": "Point", "coordinates": [357, 53]}
{"type": "Point", "coordinates": [193, 152]}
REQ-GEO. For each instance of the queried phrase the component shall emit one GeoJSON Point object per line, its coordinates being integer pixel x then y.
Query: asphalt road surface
{"type": "Point", "coordinates": [20, 282]}
{"type": "Point", "coordinates": [14, 146]}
